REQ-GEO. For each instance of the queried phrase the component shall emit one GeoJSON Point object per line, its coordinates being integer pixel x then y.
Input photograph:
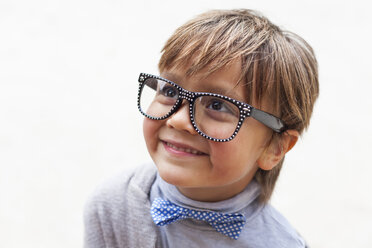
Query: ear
{"type": "Point", "coordinates": [276, 150]}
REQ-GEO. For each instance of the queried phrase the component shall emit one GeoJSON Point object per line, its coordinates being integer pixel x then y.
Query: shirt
{"type": "Point", "coordinates": [264, 226]}
{"type": "Point", "coordinates": [117, 215]}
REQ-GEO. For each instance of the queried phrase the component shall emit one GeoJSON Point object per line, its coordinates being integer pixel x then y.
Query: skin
{"type": "Point", "coordinates": [219, 170]}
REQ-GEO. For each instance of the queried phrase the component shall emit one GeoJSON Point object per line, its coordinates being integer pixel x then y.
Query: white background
{"type": "Point", "coordinates": [68, 115]}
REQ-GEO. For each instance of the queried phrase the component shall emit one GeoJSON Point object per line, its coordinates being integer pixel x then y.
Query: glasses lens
{"type": "Point", "coordinates": [216, 117]}
{"type": "Point", "coordinates": [158, 97]}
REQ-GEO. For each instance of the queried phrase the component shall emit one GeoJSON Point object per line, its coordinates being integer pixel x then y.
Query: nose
{"type": "Point", "coordinates": [180, 120]}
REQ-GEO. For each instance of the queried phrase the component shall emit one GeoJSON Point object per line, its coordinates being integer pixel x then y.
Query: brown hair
{"type": "Point", "coordinates": [276, 64]}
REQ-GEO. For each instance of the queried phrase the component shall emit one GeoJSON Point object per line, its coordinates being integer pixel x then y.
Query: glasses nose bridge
{"type": "Point", "coordinates": [190, 97]}
{"type": "Point", "coordinates": [182, 116]}
{"type": "Point", "coordinates": [187, 95]}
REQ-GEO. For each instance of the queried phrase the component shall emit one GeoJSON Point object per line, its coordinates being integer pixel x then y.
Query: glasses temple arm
{"type": "Point", "coordinates": [268, 120]}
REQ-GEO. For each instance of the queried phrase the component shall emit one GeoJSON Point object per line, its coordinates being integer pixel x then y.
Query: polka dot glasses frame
{"type": "Point", "coordinates": [213, 116]}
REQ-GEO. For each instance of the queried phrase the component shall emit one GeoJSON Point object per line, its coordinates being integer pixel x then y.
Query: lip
{"type": "Point", "coordinates": [180, 149]}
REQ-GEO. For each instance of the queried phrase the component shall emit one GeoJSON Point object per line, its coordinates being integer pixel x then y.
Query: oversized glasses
{"type": "Point", "coordinates": [215, 117]}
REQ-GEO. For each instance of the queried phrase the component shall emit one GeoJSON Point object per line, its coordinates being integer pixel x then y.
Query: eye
{"type": "Point", "coordinates": [215, 105]}
{"type": "Point", "coordinates": [169, 91]}
{"type": "Point", "coordinates": [218, 105]}
{"type": "Point", "coordinates": [211, 108]}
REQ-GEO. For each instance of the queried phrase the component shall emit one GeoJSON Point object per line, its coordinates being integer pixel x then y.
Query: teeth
{"type": "Point", "coordinates": [188, 150]}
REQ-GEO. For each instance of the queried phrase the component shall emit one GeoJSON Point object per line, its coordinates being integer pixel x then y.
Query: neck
{"type": "Point", "coordinates": [215, 194]}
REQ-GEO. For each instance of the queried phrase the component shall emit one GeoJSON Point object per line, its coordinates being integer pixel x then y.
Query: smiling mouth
{"type": "Point", "coordinates": [183, 149]}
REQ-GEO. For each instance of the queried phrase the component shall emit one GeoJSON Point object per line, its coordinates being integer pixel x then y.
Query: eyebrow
{"type": "Point", "coordinates": [212, 89]}
{"type": "Point", "coordinates": [172, 77]}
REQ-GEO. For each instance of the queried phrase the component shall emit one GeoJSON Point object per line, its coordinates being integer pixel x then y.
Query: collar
{"type": "Point", "coordinates": [245, 202]}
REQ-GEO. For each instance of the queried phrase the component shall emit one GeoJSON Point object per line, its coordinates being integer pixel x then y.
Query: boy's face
{"type": "Point", "coordinates": [202, 169]}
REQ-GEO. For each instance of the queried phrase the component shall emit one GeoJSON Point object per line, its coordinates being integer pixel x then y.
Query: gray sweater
{"type": "Point", "coordinates": [118, 215]}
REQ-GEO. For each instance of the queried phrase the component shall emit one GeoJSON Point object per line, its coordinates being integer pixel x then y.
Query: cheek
{"type": "Point", "coordinates": [147, 126]}
{"type": "Point", "coordinates": [234, 157]}
{"type": "Point", "coordinates": [225, 157]}
{"type": "Point", "coordinates": [150, 128]}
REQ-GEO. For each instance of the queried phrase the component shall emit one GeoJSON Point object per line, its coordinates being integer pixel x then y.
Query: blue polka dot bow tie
{"type": "Point", "coordinates": [164, 212]}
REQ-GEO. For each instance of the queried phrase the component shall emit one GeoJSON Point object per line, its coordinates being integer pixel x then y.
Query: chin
{"type": "Point", "coordinates": [176, 177]}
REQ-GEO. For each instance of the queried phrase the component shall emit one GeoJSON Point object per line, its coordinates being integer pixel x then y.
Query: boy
{"type": "Point", "coordinates": [233, 96]}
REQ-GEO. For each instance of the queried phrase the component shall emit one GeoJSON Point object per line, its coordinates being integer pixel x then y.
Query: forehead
{"type": "Point", "coordinates": [225, 81]}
